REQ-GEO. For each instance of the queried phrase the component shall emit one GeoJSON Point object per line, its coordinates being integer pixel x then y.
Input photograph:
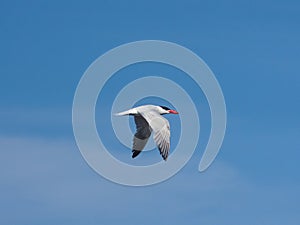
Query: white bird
{"type": "Point", "coordinates": [147, 119]}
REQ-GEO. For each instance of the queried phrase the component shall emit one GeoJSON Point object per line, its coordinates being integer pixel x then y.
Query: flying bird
{"type": "Point", "coordinates": [147, 119]}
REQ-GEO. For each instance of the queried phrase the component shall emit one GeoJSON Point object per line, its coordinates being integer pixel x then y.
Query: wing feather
{"type": "Point", "coordinates": [161, 129]}
{"type": "Point", "coordinates": [141, 137]}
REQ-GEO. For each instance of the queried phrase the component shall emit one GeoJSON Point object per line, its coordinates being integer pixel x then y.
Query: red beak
{"type": "Point", "coordinates": [173, 111]}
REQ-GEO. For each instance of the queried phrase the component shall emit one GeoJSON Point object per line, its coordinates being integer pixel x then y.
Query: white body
{"type": "Point", "coordinates": [147, 119]}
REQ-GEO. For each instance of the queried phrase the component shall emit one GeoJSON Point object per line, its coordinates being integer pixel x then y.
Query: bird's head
{"type": "Point", "coordinates": [166, 110]}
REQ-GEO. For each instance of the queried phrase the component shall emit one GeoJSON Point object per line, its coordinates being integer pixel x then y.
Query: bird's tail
{"type": "Point", "coordinates": [127, 112]}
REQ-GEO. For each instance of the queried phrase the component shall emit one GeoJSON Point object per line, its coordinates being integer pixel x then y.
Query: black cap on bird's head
{"type": "Point", "coordinates": [164, 107]}
{"type": "Point", "coordinates": [169, 110]}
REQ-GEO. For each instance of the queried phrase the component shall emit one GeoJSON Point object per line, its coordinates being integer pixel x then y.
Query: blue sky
{"type": "Point", "coordinates": [253, 49]}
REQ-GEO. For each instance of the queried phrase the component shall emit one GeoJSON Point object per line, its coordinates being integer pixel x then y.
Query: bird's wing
{"type": "Point", "coordinates": [143, 132]}
{"type": "Point", "coordinates": [161, 129]}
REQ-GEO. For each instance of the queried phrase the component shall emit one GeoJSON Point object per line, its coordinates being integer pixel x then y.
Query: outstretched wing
{"type": "Point", "coordinates": [161, 129]}
{"type": "Point", "coordinates": [143, 132]}
{"type": "Point", "coordinates": [162, 139]}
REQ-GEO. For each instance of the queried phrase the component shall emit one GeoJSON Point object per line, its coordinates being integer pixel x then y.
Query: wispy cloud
{"type": "Point", "coordinates": [27, 122]}
{"type": "Point", "coordinates": [48, 179]}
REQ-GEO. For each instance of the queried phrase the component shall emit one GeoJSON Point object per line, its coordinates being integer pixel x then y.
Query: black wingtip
{"type": "Point", "coordinates": [165, 157]}
{"type": "Point", "coordinates": [135, 153]}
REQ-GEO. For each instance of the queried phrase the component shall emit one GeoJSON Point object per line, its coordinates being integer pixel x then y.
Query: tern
{"type": "Point", "coordinates": [147, 119]}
